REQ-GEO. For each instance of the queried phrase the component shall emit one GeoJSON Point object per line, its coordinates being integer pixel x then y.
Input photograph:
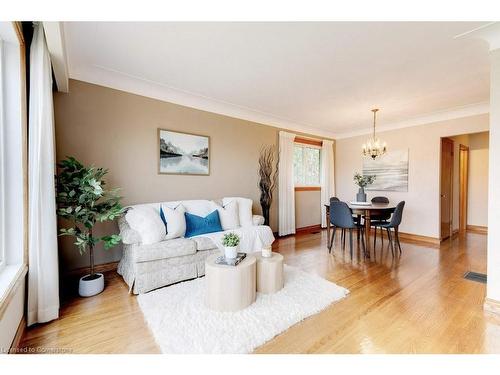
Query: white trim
{"type": "Point", "coordinates": [54, 36]}
{"type": "Point", "coordinates": [489, 33]}
{"type": "Point", "coordinates": [8, 278]}
{"type": "Point", "coordinates": [107, 77]}
{"type": "Point", "coordinates": [449, 114]}
{"type": "Point", "coordinates": [103, 76]}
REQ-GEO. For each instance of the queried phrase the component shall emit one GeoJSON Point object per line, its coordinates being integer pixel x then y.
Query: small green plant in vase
{"type": "Point", "coordinates": [230, 241]}
{"type": "Point", "coordinates": [362, 182]}
{"type": "Point", "coordinates": [83, 201]}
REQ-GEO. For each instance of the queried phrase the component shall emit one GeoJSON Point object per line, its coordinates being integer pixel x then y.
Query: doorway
{"type": "Point", "coordinates": [463, 188]}
{"type": "Point", "coordinates": [446, 190]}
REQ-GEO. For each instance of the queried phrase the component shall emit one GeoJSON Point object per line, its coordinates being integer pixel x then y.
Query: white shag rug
{"type": "Point", "coordinates": [181, 323]}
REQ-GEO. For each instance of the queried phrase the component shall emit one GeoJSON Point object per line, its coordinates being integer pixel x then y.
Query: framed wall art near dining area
{"type": "Point", "coordinates": [390, 171]}
{"type": "Point", "coordinates": [183, 153]}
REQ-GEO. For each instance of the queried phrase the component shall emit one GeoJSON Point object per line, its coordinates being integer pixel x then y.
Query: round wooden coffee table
{"type": "Point", "coordinates": [230, 288]}
{"type": "Point", "coordinates": [269, 273]}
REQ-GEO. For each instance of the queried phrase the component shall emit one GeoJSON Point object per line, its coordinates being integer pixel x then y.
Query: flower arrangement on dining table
{"type": "Point", "coordinates": [363, 181]}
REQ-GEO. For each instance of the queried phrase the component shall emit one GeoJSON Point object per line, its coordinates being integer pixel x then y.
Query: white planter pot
{"type": "Point", "coordinates": [230, 252]}
{"type": "Point", "coordinates": [89, 287]}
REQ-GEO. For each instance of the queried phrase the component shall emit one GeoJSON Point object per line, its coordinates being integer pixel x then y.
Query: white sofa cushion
{"type": "Point", "coordinates": [145, 220]}
{"type": "Point", "coordinates": [129, 236]}
{"type": "Point", "coordinates": [244, 209]}
{"type": "Point", "coordinates": [164, 250]}
{"type": "Point", "coordinates": [175, 221]}
{"type": "Point", "coordinates": [204, 243]}
{"type": "Point", "coordinates": [228, 215]}
{"type": "Point", "coordinates": [199, 207]}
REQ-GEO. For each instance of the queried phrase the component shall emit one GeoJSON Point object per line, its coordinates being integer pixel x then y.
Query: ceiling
{"type": "Point", "coordinates": [322, 78]}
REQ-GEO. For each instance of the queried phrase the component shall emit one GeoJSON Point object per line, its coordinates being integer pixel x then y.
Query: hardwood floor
{"type": "Point", "coordinates": [418, 303]}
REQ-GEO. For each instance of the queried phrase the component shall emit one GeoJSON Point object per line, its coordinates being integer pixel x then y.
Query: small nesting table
{"type": "Point", "coordinates": [269, 273]}
{"type": "Point", "coordinates": [230, 288]}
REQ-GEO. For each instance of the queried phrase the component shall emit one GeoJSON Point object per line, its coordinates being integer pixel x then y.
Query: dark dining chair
{"type": "Point", "coordinates": [341, 217]}
{"type": "Point", "coordinates": [384, 216]}
{"type": "Point", "coordinates": [393, 224]}
{"type": "Point", "coordinates": [380, 199]}
{"type": "Point", "coordinates": [335, 199]}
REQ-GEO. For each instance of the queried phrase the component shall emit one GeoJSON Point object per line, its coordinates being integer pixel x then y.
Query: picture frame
{"type": "Point", "coordinates": [390, 170]}
{"type": "Point", "coordinates": [182, 153]}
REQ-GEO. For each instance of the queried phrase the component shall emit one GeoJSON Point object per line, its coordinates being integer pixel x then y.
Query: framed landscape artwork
{"type": "Point", "coordinates": [183, 153]}
{"type": "Point", "coordinates": [390, 171]}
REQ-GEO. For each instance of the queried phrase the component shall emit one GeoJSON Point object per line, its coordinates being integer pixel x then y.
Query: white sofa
{"type": "Point", "coordinates": [145, 267]}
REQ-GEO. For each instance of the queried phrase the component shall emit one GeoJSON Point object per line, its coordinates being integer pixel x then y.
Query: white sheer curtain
{"type": "Point", "coordinates": [43, 273]}
{"type": "Point", "coordinates": [327, 178]}
{"type": "Point", "coordinates": [286, 198]}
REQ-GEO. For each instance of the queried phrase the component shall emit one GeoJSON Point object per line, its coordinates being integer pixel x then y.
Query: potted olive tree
{"type": "Point", "coordinates": [362, 182]}
{"type": "Point", "coordinates": [83, 201]}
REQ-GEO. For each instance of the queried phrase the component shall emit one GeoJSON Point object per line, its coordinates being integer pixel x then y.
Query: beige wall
{"type": "Point", "coordinates": [307, 208]}
{"type": "Point", "coordinates": [477, 205]}
{"type": "Point", "coordinates": [421, 214]}
{"type": "Point", "coordinates": [477, 208]}
{"type": "Point", "coordinates": [118, 131]}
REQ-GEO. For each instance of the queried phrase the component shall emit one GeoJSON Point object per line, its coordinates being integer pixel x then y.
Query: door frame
{"type": "Point", "coordinates": [463, 187]}
{"type": "Point", "coordinates": [448, 140]}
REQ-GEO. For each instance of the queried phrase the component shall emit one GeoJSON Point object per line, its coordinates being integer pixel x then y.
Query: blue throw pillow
{"type": "Point", "coordinates": [196, 225]}
{"type": "Point", "coordinates": [162, 216]}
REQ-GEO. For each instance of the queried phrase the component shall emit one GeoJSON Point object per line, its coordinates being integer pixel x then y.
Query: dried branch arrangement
{"type": "Point", "coordinates": [268, 172]}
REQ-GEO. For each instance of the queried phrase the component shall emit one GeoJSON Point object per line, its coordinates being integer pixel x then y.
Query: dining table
{"type": "Point", "coordinates": [367, 211]}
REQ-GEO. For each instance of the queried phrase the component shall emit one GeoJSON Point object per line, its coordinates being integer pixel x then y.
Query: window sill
{"type": "Point", "coordinates": [307, 188]}
{"type": "Point", "coordinates": [9, 281]}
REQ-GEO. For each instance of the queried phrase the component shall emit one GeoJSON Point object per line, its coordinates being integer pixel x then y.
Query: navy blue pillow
{"type": "Point", "coordinates": [196, 225]}
{"type": "Point", "coordinates": [162, 216]}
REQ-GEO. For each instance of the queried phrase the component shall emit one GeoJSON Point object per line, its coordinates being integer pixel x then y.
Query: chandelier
{"type": "Point", "coordinates": [373, 147]}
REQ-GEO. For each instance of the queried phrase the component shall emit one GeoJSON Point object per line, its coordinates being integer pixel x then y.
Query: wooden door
{"type": "Point", "coordinates": [446, 187]}
{"type": "Point", "coordinates": [463, 187]}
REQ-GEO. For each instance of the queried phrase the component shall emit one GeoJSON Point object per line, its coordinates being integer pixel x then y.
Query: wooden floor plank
{"type": "Point", "coordinates": [416, 303]}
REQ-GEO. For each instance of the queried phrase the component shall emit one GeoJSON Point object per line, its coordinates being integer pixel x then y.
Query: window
{"type": "Point", "coordinates": [306, 165]}
{"type": "Point", "coordinates": [12, 207]}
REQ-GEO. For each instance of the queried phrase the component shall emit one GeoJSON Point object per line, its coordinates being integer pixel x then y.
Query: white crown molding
{"type": "Point", "coordinates": [117, 80]}
{"type": "Point", "coordinates": [114, 79]}
{"type": "Point", "coordinates": [449, 114]}
{"type": "Point", "coordinates": [489, 32]}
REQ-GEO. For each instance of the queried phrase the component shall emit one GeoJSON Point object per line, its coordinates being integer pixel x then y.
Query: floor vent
{"type": "Point", "coordinates": [475, 276]}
